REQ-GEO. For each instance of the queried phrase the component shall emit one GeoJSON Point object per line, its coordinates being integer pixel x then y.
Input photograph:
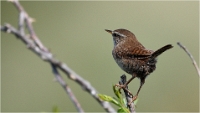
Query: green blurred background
{"type": "Point", "coordinates": [74, 32]}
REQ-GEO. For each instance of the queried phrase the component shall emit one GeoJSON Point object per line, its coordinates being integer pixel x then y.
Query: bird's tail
{"type": "Point", "coordinates": [161, 50]}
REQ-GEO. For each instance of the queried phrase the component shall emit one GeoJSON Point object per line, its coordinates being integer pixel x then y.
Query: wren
{"type": "Point", "coordinates": [132, 57]}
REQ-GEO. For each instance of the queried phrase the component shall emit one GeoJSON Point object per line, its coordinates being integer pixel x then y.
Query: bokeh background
{"type": "Point", "coordinates": [74, 32]}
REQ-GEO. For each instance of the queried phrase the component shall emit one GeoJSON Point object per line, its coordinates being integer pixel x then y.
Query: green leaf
{"type": "Point", "coordinates": [119, 96]}
{"type": "Point", "coordinates": [126, 110]}
{"type": "Point", "coordinates": [124, 100]}
{"type": "Point", "coordinates": [109, 99]}
{"type": "Point", "coordinates": [120, 110]}
{"type": "Point", "coordinates": [123, 110]}
{"type": "Point", "coordinates": [116, 91]}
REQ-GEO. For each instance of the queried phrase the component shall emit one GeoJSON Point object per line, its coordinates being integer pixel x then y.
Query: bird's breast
{"type": "Point", "coordinates": [142, 67]}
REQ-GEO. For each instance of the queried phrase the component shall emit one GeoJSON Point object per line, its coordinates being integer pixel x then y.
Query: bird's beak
{"type": "Point", "coordinates": [109, 31]}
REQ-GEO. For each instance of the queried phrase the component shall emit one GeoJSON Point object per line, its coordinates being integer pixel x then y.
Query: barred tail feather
{"type": "Point", "coordinates": [161, 50]}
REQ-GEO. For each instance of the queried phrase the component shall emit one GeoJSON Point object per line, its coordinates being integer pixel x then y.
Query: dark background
{"type": "Point", "coordinates": [74, 32]}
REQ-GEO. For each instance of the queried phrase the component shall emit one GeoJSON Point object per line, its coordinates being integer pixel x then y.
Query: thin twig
{"type": "Point", "coordinates": [37, 47]}
{"type": "Point", "coordinates": [28, 21]}
{"type": "Point", "coordinates": [127, 95]}
{"type": "Point", "coordinates": [67, 89]}
{"type": "Point", "coordinates": [21, 23]}
{"type": "Point", "coordinates": [47, 56]}
{"type": "Point", "coordinates": [191, 57]}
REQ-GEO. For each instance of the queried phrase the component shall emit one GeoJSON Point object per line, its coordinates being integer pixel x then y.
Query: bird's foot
{"type": "Point", "coordinates": [133, 99]}
{"type": "Point", "coordinates": [120, 86]}
{"type": "Point", "coordinates": [124, 87]}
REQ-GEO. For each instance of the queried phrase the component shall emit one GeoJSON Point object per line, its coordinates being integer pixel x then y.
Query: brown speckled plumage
{"type": "Point", "coordinates": [132, 56]}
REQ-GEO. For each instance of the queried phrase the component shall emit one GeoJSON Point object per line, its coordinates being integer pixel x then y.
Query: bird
{"type": "Point", "coordinates": [132, 57]}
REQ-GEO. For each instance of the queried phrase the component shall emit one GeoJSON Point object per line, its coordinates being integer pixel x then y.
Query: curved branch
{"type": "Point", "coordinates": [191, 57]}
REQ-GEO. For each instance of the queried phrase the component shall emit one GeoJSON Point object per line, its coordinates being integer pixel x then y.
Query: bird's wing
{"type": "Point", "coordinates": [138, 52]}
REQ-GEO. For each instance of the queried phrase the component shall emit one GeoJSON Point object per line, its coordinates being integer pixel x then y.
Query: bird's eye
{"type": "Point", "coordinates": [115, 35]}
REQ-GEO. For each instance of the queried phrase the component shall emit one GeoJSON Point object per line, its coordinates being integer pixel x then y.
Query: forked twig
{"type": "Point", "coordinates": [35, 45]}
{"type": "Point", "coordinates": [28, 21]}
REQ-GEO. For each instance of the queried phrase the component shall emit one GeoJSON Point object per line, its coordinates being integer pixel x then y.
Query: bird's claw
{"type": "Point", "coordinates": [120, 87]}
{"type": "Point", "coordinates": [124, 88]}
{"type": "Point", "coordinates": [133, 99]}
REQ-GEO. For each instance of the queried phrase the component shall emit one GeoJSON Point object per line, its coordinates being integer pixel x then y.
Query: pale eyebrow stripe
{"type": "Point", "coordinates": [119, 34]}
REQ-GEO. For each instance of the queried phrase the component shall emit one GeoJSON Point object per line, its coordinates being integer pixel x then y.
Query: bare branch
{"type": "Point", "coordinates": [191, 57]}
{"type": "Point", "coordinates": [67, 89]}
{"type": "Point", "coordinates": [28, 22]}
{"type": "Point", "coordinates": [128, 96]}
{"type": "Point", "coordinates": [35, 45]}
{"type": "Point", "coordinates": [21, 23]}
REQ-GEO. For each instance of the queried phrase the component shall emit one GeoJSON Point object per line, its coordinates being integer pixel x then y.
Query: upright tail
{"type": "Point", "coordinates": [161, 50]}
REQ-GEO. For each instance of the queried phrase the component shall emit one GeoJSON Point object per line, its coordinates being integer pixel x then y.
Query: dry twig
{"type": "Point", "coordinates": [35, 45]}
{"type": "Point", "coordinates": [67, 89]}
{"type": "Point", "coordinates": [127, 95]}
{"type": "Point", "coordinates": [191, 57]}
